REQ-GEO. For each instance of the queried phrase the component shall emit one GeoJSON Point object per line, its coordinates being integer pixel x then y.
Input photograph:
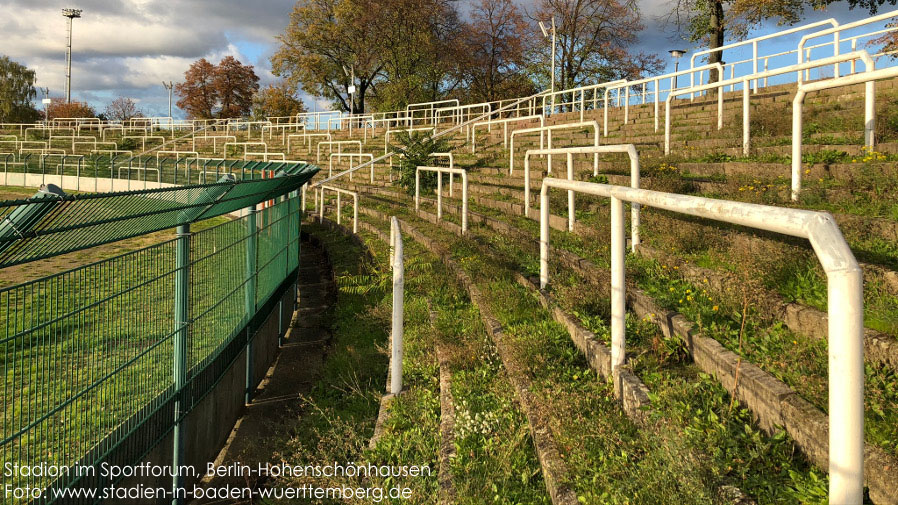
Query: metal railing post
{"type": "Point", "coordinates": [179, 366]}
{"type": "Point", "coordinates": [570, 194]}
{"type": "Point", "coordinates": [398, 308]}
{"type": "Point", "coordinates": [250, 295]}
{"type": "Point", "coordinates": [618, 284]}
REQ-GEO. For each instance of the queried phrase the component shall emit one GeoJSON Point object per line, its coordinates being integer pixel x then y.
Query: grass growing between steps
{"type": "Point", "coordinates": [799, 361]}
{"type": "Point", "coordinates": [339, 414]}
{"type": "Point", "coordinates": [496, 462]}
{"type": "Point", "coordinates": [611, 460]}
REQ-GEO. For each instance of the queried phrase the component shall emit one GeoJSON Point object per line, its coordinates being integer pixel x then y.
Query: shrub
{"type": "Point", "coordinates": [416, 149]}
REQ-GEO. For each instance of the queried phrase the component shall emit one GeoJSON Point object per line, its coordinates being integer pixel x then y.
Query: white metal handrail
{"type": "Point", "coordinates": [548, 131]}
{"type": "Point", "coordinates": [339, 143]}
{"type": "Point", "coordinates": [472, 130]}
{"type": "Point", "coordinates": [835, 31]}
{"type": "Point", "coordinates": [754, 43]}
{"type": "Point", "coordinates": [656, 80]}
{"type": "Point", "coordinates": [746, 131]}
{"type": "Point", "coordinates": [628, 149]}
{"type": "Point", "coordinates": [350, 156]}
{"type": "Point", "coordinates": [867, 78]}
{"type": "Point", "coordinates": [435, 135]}
{"type": "Point", "coordinates": [340, 191]}
{"type": "Point", "coordinates": [464, 191]}
{"type": "Point", "coordinates": [845, 309]}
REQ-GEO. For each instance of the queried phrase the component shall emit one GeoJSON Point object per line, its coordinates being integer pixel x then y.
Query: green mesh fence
{"type": "Point", "coordinates": [48, 226]}
{"type": "Point", "coordinates": [89, 355]}
{"type": "Point", "coordinates": [164, 169]}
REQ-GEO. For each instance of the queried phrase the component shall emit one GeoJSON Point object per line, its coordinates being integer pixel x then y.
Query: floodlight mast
{"type": "Point", "coordinates": [70, 14]}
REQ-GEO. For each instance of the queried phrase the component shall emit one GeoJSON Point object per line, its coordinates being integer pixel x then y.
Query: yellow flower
{"type": "Point", "coordinates": [671, 290]}
{"type": "Point", "coordinates": [681, 300]}
{"type": "Point", "coordinates": [688, 291]}
{"type": "Point", "coordinates": [715, 308]}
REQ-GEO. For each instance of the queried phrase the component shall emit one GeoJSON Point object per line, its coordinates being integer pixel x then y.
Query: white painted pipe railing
{"type": "Point", "coordinates": [835, 31]}
{"type": "Point", "coordinates": [845, 309]}
{"type": "Point", "coordinates": [449, 156]}
{"type": "Point", "coordinates": [339, 191]}
{"type": "Point", "coordinates": [339, 144]}
{"type": "Point", "coordinates": [350, 156]}
{"type": "Point", "coordinates": [657, 92]}
{"type": "Point", "coordinates": [746, 112]}
{"type": "Point", "coordinates": [868, 79]}
{"type": "Point", "coordinates": [397, 261]}
{"type": "Point", "coordinates": [548, 131]}
{"type": "Point", "coordinates": [504, 122]}
{"type": "Point", "coordinates": [464, 191]}
{"type": "Point", "coordinates": [628, 149]}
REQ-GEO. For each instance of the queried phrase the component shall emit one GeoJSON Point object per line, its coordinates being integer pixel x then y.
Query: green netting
{"type": "Point", "coordinates": [89, 354]}
{"type": "Point", "coordinates": [49, 225]}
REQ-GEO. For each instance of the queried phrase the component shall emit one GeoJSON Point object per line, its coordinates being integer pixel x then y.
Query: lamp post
{"type": "Point", "coordinates": [71, 14]}
{"type": "Point", "coordinates": [46, 102]}
{"type": "Point", "coordinates": [677, 54]}
{"type": "Point", "coordinates": [171, 120]}
{"type": "Point", "coordinates": [546, 35]}
{"type": "Point", "coordinates": [351, 88]}
{"type": "Point", "coordinates": [168, 86]}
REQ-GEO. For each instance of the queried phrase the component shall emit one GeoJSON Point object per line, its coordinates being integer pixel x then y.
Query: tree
{"type": "Point", "coordinates": [16, 92]}
{"type": "Point", "coordinates": [276, 101]}
{"type": "Point", "coordinates": [122, 109]}
{"type": "Point", "coordinates": [58, 108]}
{"type": "Point", "coordinates": [494, 44]}
{"type": "Point", "coordinates": [708, 21]}
{"type": "Point", "coordinates": [235, 84]}
{"type": "Point", "coordinates": [594, 39]}
{"type": "Point", "coordinates": [324, 40]}
{"type": "Point", "coordinates": [225, 90]}
{"type": "Point", "coordinates": [199, 95]}
{"type": "Point", "coordinates": [420, 51]}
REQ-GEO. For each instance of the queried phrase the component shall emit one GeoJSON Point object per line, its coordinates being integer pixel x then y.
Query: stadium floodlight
{"type": "Point", "coordinates": [70, 14]}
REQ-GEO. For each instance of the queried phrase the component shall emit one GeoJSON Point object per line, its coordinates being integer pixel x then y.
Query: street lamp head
{"type": "Point", "coordinates": [677, 53]}
{"type": "Point", "coordinates": [544, 29]}
{"type": "Point", "coordinates": [72, 13]}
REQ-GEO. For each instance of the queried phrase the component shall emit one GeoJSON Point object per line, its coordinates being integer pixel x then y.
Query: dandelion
{"type": "Point", "coordinates": [715, 308]}
{"type": "Point", "coordinates": [681, 300]}
{"type": "Point", "coordinates": [688, 291]}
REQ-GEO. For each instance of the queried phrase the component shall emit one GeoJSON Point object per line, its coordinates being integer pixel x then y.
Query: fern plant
{"type": "Point", "coordinates": [380, 281]}
{"type": "Point", "coordinates": [416, 149]}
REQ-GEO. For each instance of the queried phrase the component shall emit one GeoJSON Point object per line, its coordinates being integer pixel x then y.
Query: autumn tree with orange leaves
{"type": "Point", "coordinates": [225, 90]}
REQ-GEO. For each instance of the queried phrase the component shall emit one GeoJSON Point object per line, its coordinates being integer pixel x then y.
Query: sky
{"type": "Point", "coordinates": [129, 47]}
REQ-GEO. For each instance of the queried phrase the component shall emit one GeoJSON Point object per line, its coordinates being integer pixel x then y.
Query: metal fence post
{"type": "Point", "coordinates": [182, 317]}
{"type": "Point", "coordinates": [250, 296]}
{"type": "Point", "coordinates": [398, 307]}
